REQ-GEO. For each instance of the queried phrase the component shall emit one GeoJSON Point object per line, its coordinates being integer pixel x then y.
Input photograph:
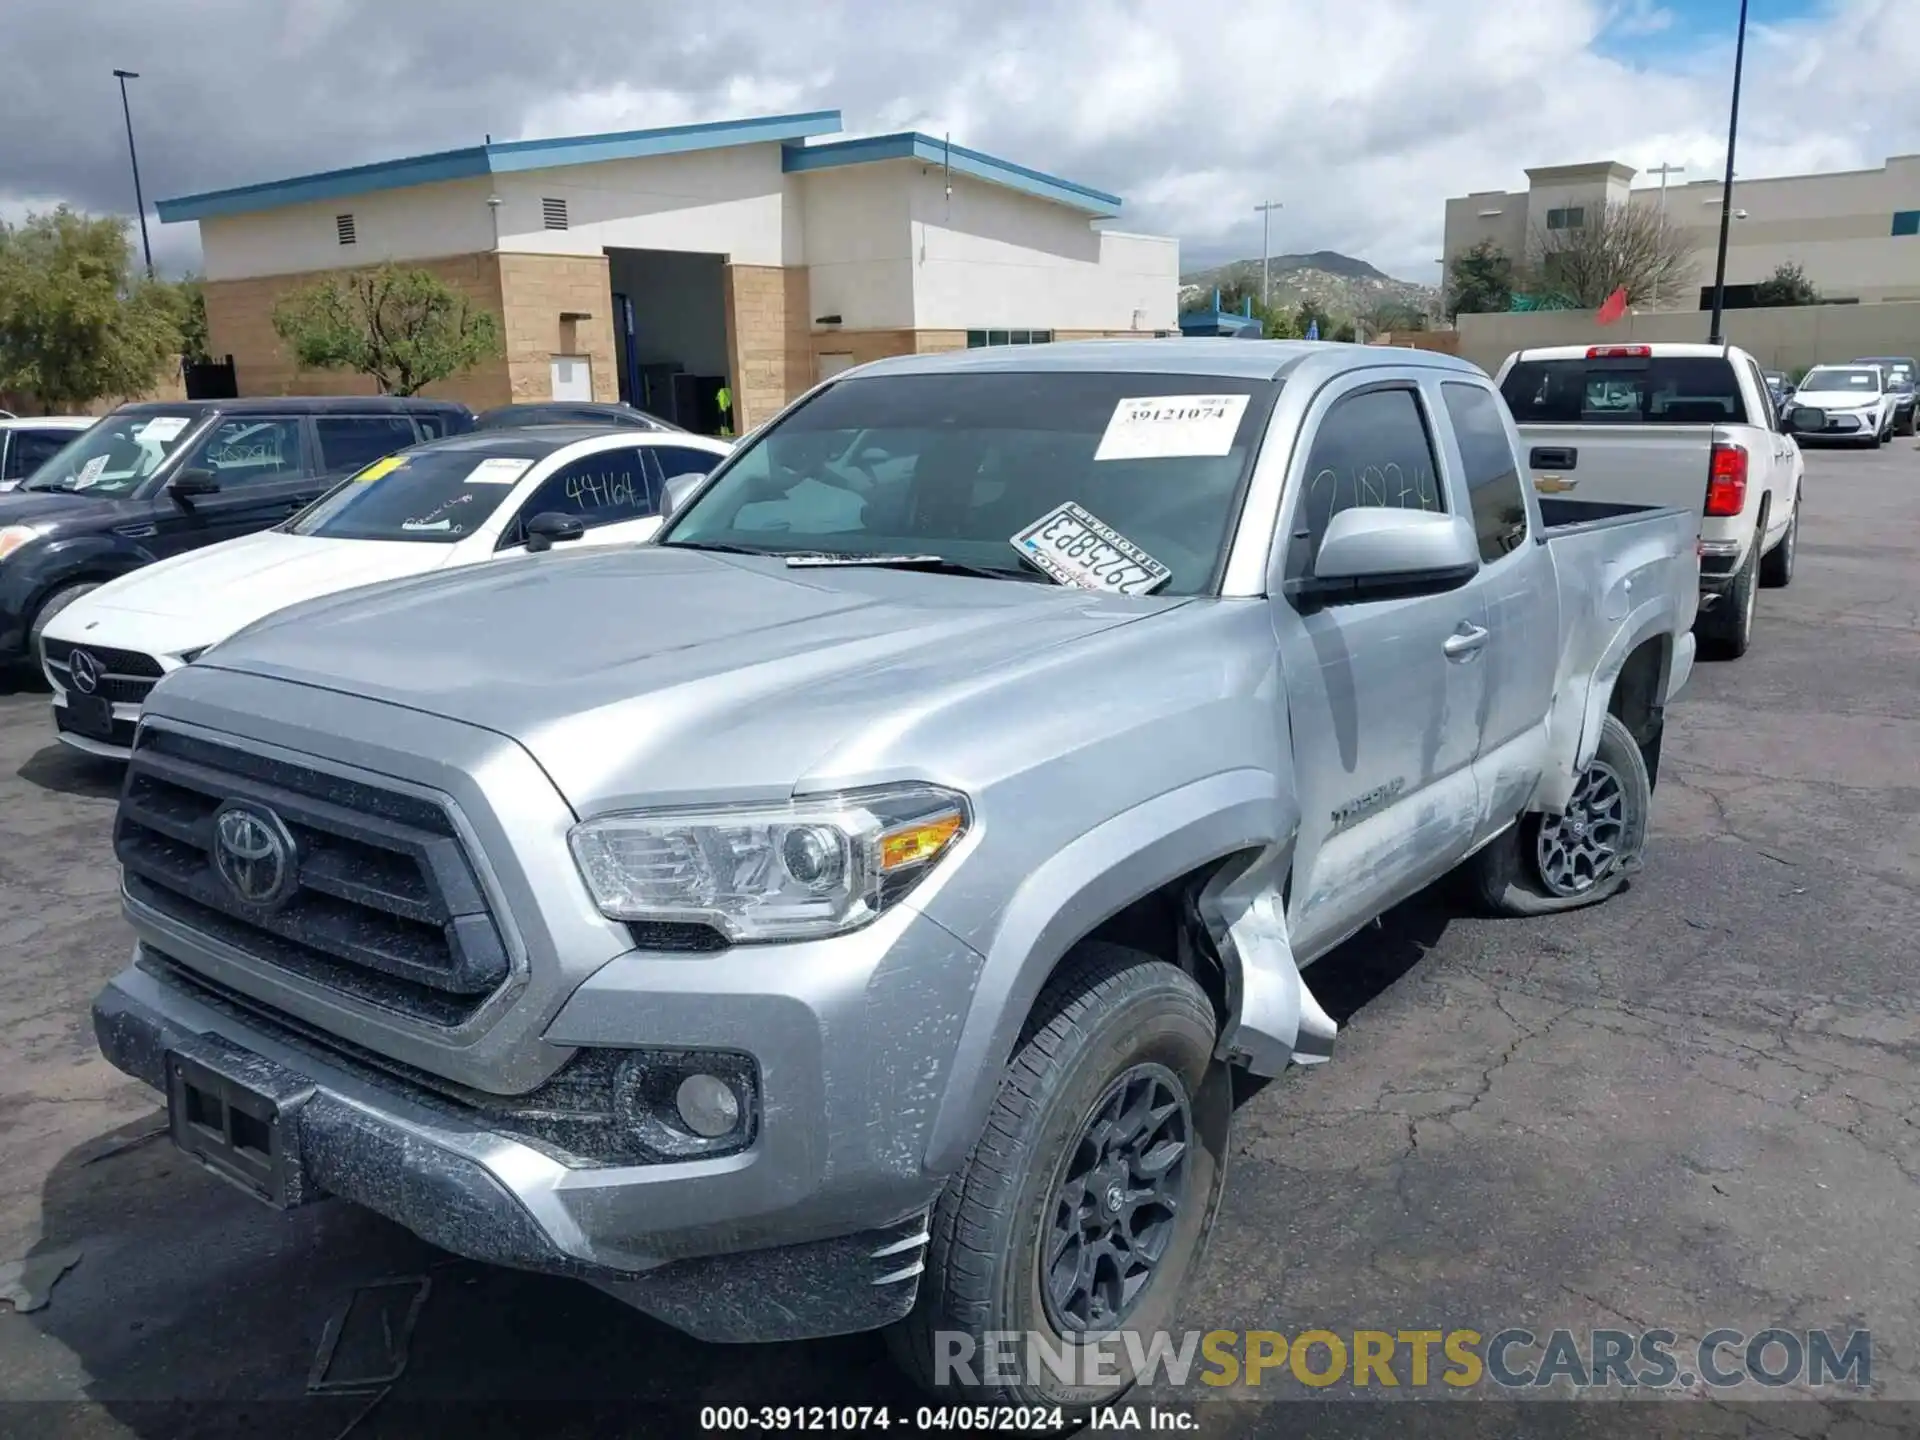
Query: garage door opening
{"type": "Point", "coordinates": [670, 334]}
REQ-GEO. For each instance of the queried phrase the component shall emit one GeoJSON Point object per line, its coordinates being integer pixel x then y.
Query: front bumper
{"type": "Point", "coordinates": [766, 1244]}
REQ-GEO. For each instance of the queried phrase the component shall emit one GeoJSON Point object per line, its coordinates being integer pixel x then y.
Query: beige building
{"type": "Point", "coordinates": [658, 266]}
{"type": "Point", "coordinates": [1856, 233]}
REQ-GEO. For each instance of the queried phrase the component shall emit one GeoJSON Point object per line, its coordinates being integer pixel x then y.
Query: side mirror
{"type": "Point", "coordinates": [677, 489]}
{"type": "Point", "coordinates": [189, 483]}
{"type": "Point", "coordinates": [1805, 420]}
{"type": "Point", "coordinates": [548, 529]}
{"type": "Point", "coordinates": [1381, 552]}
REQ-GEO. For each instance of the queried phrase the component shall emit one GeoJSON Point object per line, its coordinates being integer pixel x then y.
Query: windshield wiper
{"type": "Point", "coordinates": [719, 547]}
{"type": "Point", "coordinates": [64, 489]}
{"type": "Point", "coordinates": [939, 564]}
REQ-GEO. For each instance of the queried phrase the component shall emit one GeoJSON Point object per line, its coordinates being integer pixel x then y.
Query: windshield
{"type": "Point", "coordinates": [435, 496]}
{"type": "Point", "coordinates": [1863, 378]}
{"type": "Point", "coordinates": [115, 455]}
{"type": "Point", "coordinates": [953, 466]}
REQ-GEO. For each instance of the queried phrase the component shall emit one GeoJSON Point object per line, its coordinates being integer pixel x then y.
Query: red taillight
{"type": "Point", "coordinates": [1727, 481]}
{"type": "Point", "coordinates": [1620, 352]}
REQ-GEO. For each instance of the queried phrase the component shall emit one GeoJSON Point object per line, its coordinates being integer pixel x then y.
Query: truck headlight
{"type": "Point", "coordinates": [812, 867]}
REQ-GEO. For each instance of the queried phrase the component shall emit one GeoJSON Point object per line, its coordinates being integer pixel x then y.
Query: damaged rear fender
{"type": "Point", "coordinates": [1073, 891]}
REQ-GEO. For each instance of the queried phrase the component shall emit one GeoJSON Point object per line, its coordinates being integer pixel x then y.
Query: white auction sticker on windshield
{"type": "Point", "coordinates": [90, 472]}
{"type": "Point", "coordinates": [500, 470]}
{"type": "Point", "coordinates": [1168, 427]}
{"type": "Point", "coordinates": [1076, 549]}
{"type": "Point", "coordinates": [162, 428]}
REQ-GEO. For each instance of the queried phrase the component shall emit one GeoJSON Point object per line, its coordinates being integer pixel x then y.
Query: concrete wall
{"type": "Point", "coordinates": [732, 202]}
{"type": "Point", "coordinates": [1781, 339]}
{"type": "Point", "coordinates": [859, 245]}
{"type": "Point", "coordinates": [990, 257]}
{"type": "Point", "coordinates": [537, 290]}
{"type": "Point", "coordinates": [421, 223]}
{"type": "Point", "coordinates": [768, 345]}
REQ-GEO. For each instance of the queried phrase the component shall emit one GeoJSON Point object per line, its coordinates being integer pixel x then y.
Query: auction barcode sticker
{"type": "Point", "coordinates": [1076, 549]}
{"type": "Point", "coordinates": [1166, 427]}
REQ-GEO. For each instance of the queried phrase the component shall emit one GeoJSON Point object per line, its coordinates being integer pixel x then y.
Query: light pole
{"type": "Point", "coordinates": [1715, 336]}
{"type": "Point", "coordinates": [1265, 210]}
{"type": "Point", "coordinates": [1663, 170]}
{"type": "Point", "coordinates": [139, 200]}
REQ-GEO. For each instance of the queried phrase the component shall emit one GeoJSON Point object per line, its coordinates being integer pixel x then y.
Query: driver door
{"type": "Point", "coordinates": [265, 474]}
{"type": "Point", "coordinates": [1384, 698]}
{"type": "Point", "coordinates": [613, 493]}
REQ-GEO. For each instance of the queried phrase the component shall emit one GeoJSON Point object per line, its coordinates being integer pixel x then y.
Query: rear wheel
{"type": "Point", "coordinates": [1776, 567]}
{"type": "Point", "coordinates": [1088, 1200]}
{"type": "Point", "coordinates": [1549, 863]}
{"type": "Point", "coordinates": [1726, 630]}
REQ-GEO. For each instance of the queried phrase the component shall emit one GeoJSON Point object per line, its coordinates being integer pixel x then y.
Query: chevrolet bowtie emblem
{"type": "Point", "coordinates": [1552, 484]}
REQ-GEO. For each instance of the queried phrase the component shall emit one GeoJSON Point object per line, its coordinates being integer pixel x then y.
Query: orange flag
{"type": "Point", "coordinates": [1613, 307]}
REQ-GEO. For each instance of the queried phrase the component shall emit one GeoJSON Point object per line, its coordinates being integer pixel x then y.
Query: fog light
{"type": "Point", "coordinates": [708, 1105]}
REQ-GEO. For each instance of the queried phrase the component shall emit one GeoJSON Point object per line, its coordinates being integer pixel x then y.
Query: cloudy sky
{"type": "Point", "coordinates": [1360, 116]}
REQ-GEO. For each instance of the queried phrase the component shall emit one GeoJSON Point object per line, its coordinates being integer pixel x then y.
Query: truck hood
{"type": "Point", "coordinates": [205, 595]}
{"type": "Point", "coordinates": [659, 675]}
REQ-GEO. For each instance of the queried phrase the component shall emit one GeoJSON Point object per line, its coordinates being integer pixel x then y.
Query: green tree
{"type": "Point", "coordinates": [1787, 285]}
{"type": "Point", "coordinates": [405, 328]}
{"type": "Point", "coordinates": [78, 322]}
{"type": "Point", "coordinates": [190, 301]}
{"type": "Point", "coordinates": [1479, 281]}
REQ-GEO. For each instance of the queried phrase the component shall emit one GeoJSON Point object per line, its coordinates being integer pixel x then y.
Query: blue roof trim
{"type": "Point", "coordinates": [911, 145]}
{"type": "Point", "coordinates": [503, 158]}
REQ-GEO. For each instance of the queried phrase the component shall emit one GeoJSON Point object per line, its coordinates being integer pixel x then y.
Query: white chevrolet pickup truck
{"type": "Point", "coordinates": [1603, 426]}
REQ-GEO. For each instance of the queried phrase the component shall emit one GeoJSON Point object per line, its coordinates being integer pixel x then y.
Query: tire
{"type": "Point", "coordinates": [1514, 876]}
{"type": "Point", "coordinates": [1111, 1021]}
{"type": "Point", "coordinates": [1873, 442]}
{"type": "Point", "coordinates": [1776, 566]}
{"type": "Point", "coordinates": [1912, 423]}
{"type": "Point", "coordinates": [1725, 631]}
{"type": "Point", "coordinates": [49, 608]}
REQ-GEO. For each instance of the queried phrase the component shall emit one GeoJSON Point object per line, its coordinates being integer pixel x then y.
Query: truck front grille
{"type": "Point", "coordinates": [360, 889]}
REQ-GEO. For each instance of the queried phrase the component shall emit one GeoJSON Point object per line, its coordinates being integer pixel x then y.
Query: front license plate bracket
{"type": "Point", "coordinates": [239, 1116]}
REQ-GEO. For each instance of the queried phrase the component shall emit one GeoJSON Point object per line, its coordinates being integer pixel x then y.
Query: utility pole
{"type": "Point", "coordinates": [1265, 210]}
{"type": "Point", "coordinates": [1663, 170]}
{"type": "Point", "coordinates": [139, 200]}
{"type": "Point", "coordinates": [1716, 336]}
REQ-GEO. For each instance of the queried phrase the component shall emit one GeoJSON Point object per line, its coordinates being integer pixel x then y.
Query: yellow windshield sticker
{"type": "Point", "coordinates": [380, 467]}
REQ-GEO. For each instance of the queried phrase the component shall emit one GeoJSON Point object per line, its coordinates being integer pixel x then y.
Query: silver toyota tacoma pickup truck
{"type": "Point", "coordinates": [846, 911]}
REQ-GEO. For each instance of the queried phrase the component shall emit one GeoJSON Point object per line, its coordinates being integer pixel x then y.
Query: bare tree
{"type": "Point", "coordinates": [1628, 246]}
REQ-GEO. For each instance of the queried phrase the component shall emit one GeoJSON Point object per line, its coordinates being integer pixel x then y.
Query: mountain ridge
{"type": "Point", "coordinates": [1343, 286]}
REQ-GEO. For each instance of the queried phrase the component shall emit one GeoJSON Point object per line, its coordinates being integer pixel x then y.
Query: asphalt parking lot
{"type": "Point", "coordinates": [1696, 1106]}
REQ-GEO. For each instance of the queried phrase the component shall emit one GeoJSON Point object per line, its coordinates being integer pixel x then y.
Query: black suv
{"type": "Point", "coordinates": [156, 479]}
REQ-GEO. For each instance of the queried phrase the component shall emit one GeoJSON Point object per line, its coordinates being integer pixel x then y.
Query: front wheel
{"type": "Point", "coordinates": [1087, 1201]}
{"type": "Point", "coordinates": [1549, 863]}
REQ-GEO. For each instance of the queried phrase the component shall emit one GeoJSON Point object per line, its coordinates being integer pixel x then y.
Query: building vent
{"type": "Point", "coordinates": [553, 213]}
{"type": "Point", "coordinates": [343, 225]}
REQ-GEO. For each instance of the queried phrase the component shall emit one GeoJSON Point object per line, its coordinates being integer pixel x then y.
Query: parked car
{"type": "Point", "coordinates": [25, 445]}
{"type": "Point", "coordinates": [441, 505]}
{"type": "Point", "coordinates": [571, 412]}
{"type": "Point", "coordinates": [1677, 424]}
{"type": "Point", "coordinates": [155, 479]}
{"type": "Point", "coordinates": [886, 867]}
{"type": "Point", "coordinates": [1779, 386]}
{"type": "Point", "coordinates": [1903, 373]}
{"type": "Point", "coordinates": [1858, 401]}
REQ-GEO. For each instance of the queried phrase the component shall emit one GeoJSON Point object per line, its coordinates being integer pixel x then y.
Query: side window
{"type": "Point", "coordinates": [678, 460]}
{"type": "Point", "coordinates": [1769, 415]}
{"type": "Point", "coordinates": [33, 448]}
{"type": "Point", "coordinates": [1371, 449]}
{"type": "Point", "coordinates": [348, 442]}
{"type": "Point", "coordinates": [244, 449]}
{"type": "Point", "coordinates": [602, 489]}
{"type": "Point", "coordinates": [1492, 469]}
{"type": "Point", "coordinates": [433, 425]}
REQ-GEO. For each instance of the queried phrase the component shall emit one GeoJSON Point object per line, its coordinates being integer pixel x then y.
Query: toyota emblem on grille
{"type": "Point", "coordinates": [254, 855]}
{"type": "Point", "coordinates": [85, 671]}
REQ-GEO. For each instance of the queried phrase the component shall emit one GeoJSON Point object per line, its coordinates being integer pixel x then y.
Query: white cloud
{"type": "Point", "coordinates": [1362, 116]}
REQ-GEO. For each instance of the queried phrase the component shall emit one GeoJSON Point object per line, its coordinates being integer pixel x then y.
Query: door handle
{"type": "Point", "coordinates": [1466, 641]}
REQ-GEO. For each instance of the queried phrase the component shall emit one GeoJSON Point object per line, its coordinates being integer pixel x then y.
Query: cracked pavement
{"type": "Point", "coordinates": [1695, 1106]}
